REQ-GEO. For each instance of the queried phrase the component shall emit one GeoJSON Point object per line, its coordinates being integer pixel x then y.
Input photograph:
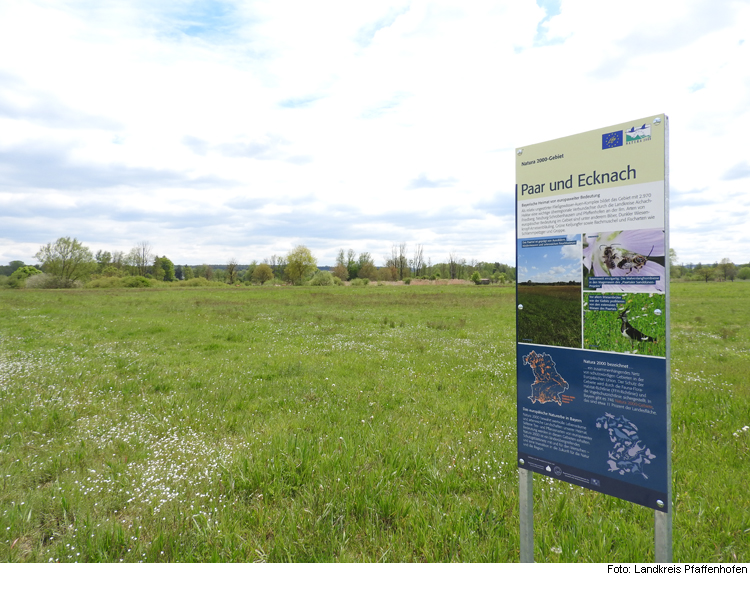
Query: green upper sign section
{"type": "Point", "coordinates": [624, 154]}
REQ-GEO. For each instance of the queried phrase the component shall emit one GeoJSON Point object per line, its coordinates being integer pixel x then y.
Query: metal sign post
{"type": "Point", "coordinates": [592, 295]}
{"type": "Point", "coordinates": [526, 496]}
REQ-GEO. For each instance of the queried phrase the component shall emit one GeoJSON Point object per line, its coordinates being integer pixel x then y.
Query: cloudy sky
{"type": "Point", "coordinates": [217, 129]}
{"type": "Point", "coordinates": [549, 264]}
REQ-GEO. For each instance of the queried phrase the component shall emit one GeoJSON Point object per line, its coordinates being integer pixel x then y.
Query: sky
{"type": "Point", "coordinates": [218, 130]}
{"type": "Point", "coordinates": [550, 264]}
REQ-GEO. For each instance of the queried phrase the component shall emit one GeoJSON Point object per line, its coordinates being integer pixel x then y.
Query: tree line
{"type": "Point", "coordinates": [67, 263]}
{"type": "Point", "coordinates": [724, 270]}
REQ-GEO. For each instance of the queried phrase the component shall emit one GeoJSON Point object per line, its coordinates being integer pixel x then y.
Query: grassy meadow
{"type": "Point", "coordinates": [602, 330]}
{"type": "Point", "coordinates": [331, 424]}
{"type": "Point", "coordinates": [551, 315]}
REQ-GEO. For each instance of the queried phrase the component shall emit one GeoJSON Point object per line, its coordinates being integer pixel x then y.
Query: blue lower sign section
{"type": "Point", "coordinates": [595, 419]}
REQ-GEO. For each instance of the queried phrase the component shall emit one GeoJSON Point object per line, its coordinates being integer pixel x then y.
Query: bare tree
{"type": "Point", "coordinates": [403, 262]}
{"type": "Point", "coordinates": [461, 272]}
{"type": "Point", "coordinates": [398, 262]}
{"type": "Point", "coordinates": [365, 258]}
{"type": "Point", "coordinates": [277, 264]}
{"type": "Point", "coordinates": [118, 258]}
{"type": "Point", "coordinates": [417, 263]}
{"type": "Point", "coordinates": [140, 255]}
{"type": "Point", "coordinates": [453, 265]}
{"type": "Point", "coordinates": [392, 262]}
{"type": "Point", "coordinates": [341, 258]}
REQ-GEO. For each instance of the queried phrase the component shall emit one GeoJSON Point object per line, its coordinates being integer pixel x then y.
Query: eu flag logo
{"type": "Point", "coordinates": [611, 140]}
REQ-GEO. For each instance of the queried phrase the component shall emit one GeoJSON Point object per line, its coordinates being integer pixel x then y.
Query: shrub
{"type": "Point", "coordinates": [476, 277]}
{"type": "Point", "coordinates": [19, 276]}
{"type": "Point", "coordinates": [322, 278]}
{"type": "Point", "coordinates": [105, 283]}
{"type": "Point", "coordinates": [135, 281]}
{"type": "Point", "coordinates": [387, 274]}
{"type": "Point", "coordinates": [407, 281]}
{"type": "Point", "coordinates": [359, 282]}
{"type": "Point", "coordinates": [117, 282]}
{"type": "Point", "coordinates": [47, 281]}
{"type": "Point", "coordinates": [195, 282]}
{"type": "Point", "coordinates": [337, 281]}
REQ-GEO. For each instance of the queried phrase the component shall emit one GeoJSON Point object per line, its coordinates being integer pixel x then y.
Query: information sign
{"type": "Point", "coordinates": [593, 310]}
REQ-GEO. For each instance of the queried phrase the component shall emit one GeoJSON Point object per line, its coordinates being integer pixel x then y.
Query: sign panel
{"type": "Point", "coordinates": [593, 310]}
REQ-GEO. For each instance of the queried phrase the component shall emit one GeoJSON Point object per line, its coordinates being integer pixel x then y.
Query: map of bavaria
{"type": "Point", "coordinates": [548, 385]}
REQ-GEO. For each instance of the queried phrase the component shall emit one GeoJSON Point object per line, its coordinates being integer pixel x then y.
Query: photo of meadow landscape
{"type": "Point", "coordinates": [370, 423]}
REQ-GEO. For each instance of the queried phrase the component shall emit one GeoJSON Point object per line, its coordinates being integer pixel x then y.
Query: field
{"type": "Point", "coordinates": [551, 315]}
{"type": "Point", "coordinates": [331, 424]}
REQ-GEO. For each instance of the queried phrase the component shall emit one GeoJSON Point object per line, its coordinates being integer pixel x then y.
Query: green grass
{"type": "Point", "coordinates": [330, 424]}
{"type": "Point", "coordinates": [603, 329]}
{"type": "Point", "coordinates": [551, 315]}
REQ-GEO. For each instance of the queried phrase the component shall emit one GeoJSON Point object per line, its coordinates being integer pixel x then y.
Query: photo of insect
{"type": "Point", "coordinates": [623, 258]}
{"type": "Point", "coordinates": [631, 332]}
{"type": "Point", "coordinates": [610, 255]}
{"type": "Point", "coordinates": [618, 258]}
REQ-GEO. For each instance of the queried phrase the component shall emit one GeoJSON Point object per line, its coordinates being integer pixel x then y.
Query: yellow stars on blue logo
{"type": "Point", "coordinates": [611, 140]}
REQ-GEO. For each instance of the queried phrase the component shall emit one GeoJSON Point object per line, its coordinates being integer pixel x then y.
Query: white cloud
{"type": "Point", "coordinates": [571, 251]}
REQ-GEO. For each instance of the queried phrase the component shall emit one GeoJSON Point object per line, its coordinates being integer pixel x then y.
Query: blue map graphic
{"type": "Point", "coordinates": [629, 454]}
